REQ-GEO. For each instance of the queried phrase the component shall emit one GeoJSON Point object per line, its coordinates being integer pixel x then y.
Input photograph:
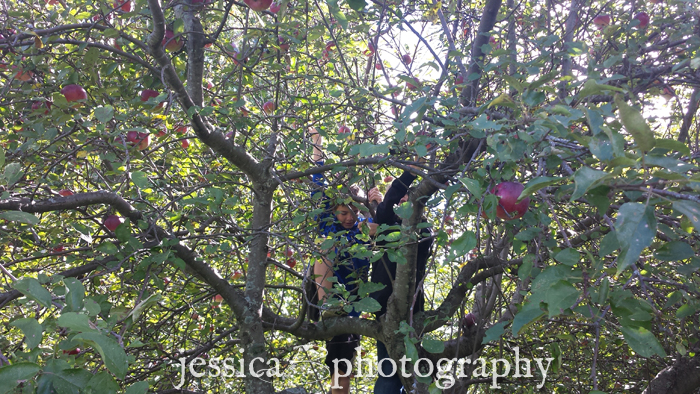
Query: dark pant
{"type": "Point", "coordinates": [341, 347]}
{"type": "Point", "coordinates": [390, 384]}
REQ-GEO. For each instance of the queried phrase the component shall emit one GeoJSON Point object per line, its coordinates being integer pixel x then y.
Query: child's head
{"type": "Point", "coordinates": [347, 214]}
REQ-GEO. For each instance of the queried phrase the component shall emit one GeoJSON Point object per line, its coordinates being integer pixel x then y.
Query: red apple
{"type": "Point", "coordinates": [393, 111]}
{"type": "Point", "coordinates": [378, 65]}
{"type": "Point", "coordinates": [74, 93]}
{"type": "Point", "coordinates": [72, 352]}
{"type": "Point", "coordinates": [601, 21]}
{"type": "Point", "coordinates": [144, 140]}
{"type": "Point", "coordinates": [370, 49]}
{"type": "Point", "coordinates": [195, 316]}
{"type": "Point", "coordinates": [469, 320]}
{"type": "Point", "coordinates": [284, 45]}
{"type": "Point", "coordinates": [180, 128]}
{"type": "Point", "coordinates": [124, 5]}
{"type": "Point", "coordinates": [58, 248]}
{"type": "Point", "coordinates": [161, 132]}
{"type": "Point", "coordinates": [275, 8]}
{"type": "Point", "coordinates": [185, 143]}
{"type": "Point", "coordinates": [291, 263]}
{"type": "Point", "coordinates": [344, 130]}
{"type": "Point", "coordinates": [668, 93]}
{"type": "Point", "coordinates": [643, 19]}
{"type": "Point", "coordinates": [237, 275]}
{"type": "Point", "coordinates": [170, 42]}
{"type": "Point", "coordinates": [330, 45]}
{"type": "Point", "coordinates": [38, 104]}
{"type": "Point", "coordinates": [388, 179]}
{"type": "Point", "coordinates": [459, 80]}
{"type": "Point", "coordinates": [132, 137]}
{"type": "Point", "coordinates": [112, 222]}
{"type": "Point", "coordinates": [218, 298]}
{"type": "Point", "coordinates": [258, 5]}
{"type": "Point", "coordinates": [269, 107]}
{"type": "Point", "coordinates": [508, 206]}
{"type": "Point", "coordinates": [289, 252]}
{"type": "Point", "coordinates": [415, 85]}
{"type": "Point", "coordinates": [406, 59]}
{"type": "Point", "coordinates": [65, 193]}
{"type": "Point", "coordinates": [147, 94]}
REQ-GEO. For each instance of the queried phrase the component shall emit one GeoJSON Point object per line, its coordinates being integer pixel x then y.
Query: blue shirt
{"type": "Point", "coordinates": [348, 269]}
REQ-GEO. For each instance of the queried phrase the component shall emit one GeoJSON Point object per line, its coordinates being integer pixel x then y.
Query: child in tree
{"type": "Point", "coordinates": [340, 222]}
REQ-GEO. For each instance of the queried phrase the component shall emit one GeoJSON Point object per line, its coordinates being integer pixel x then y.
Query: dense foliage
{"type": "Point", "coordinates": [168, 213]}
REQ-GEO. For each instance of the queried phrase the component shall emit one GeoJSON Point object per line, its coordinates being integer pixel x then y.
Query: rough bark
{"type": "Point", "coordinates": [683, 377]}
{"type": "Point", "coordinates": [488, 20]}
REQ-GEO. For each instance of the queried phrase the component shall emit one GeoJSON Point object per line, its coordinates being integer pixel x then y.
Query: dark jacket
{"type": "Point", "coordinates": [384, 270]}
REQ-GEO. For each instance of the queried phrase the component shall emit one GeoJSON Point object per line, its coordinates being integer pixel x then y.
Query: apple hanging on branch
{"type": "Point", "coordinates": [74, 92]}
{"type": "Point", "coordinates": [258, 5]}
{"type": "Point", "coordinates": [601, 21]}
{"type": "Point", "coordinates": [112, 222]}
{"type": "Point", "coordinates": [509, 208]}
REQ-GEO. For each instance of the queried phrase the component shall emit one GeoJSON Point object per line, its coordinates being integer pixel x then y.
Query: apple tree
{"type": "Point", "coordinates": [157, 208]}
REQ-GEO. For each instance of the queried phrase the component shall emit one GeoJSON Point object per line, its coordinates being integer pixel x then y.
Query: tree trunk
{"type": "Point", "coordinates": [681, 378]}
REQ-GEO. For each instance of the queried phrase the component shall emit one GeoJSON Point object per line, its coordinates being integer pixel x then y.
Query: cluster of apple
{"type": "Point", "coordinates": [602, 21]}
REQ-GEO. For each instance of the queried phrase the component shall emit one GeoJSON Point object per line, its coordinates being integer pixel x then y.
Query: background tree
{"type": "Point", "coordinates": [156, 202]}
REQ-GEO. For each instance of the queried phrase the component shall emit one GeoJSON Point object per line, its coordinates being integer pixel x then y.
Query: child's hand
{"type": "Point", "coordinates": [375, 195]}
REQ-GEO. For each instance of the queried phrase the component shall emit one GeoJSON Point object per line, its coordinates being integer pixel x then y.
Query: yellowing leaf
{"type": "Point", "coordinates": [503, 100]}
{"type": "Point", "coordinates": [635, 124]}
{"type": "Point", "coordinates": [81, 154]}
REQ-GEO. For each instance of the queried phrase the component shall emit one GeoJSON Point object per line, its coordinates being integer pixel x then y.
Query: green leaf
{"type": "Point", "coordinates": [561, 296]}
{"type": "Point", "coordinates": [473, 186]}
{"type": "Point", "coordinates": [76, 294]}
{"type": "Point", "coordinates": [70, 380]}
{"type": "Point", "coordinates": [367, 288]}
{"type": "Point", "coordinates": [19, 216]}
{"type": "Point", "coordinates": [462, 245]}
{"type": "Point", "coordinates": [75, 321]}
{"type": "Point", "coordinates": [138, 309]}
{"type": "Point", "coordinates": [367, 304]}
{"type": "Point", "coordinates": [411, 351]}
{"type": "Point", "coordinates": [107, 248]}
{"type": "Point", "coordinates": [12, 375]}
{"type": "Point", "coordinates": [13, 173]}
{"type": "Point", "coordinates": [530, 313]}
{"type": "Point", "coordinates": [357, 5]}
{"type": "Point", "coordinates": [2, 157]}
{"type": "Point", "coordinates": [691, 210]}
{"type": "Point", "coordinates": [140, 179]}
{"type": "Point", "coordinates": [635, 229]}
{"type": "Point", "coordinates": [674, 145]}
{"type": "Point", "coordinates": [433, 345]}
{"type": "Point", "coordinates": [112, 354]}
{"type": "Point", "coordinates": [568, 256]}
{"type": "Point", "coordinates": [642, 341]}
{"type": "Point", "coordinates": [685, 310]}
{"type": "Point", "coordinates": [337, 14]}
{"type": "Point", "coordinates": [104, 114]}
{"type": "Point", "coordinates": [527, 234]}
{"type": "Point", "coordinates": [608, 244]}
{"type": "Point", "coordinates": [674, 251]}
{"type": "Point", "coordinates": [538, 183]}
{"type": "Point", "coordinates": [494, 332]}
{"type": "Point", "coordinates": [31, 288]}
{"type": "Point", "coordinates": [137, 388]}
{"type": "Point", "coordinates": [31, 329]}
{"type": "Point", "coordinates": [635, 124]}
{"type": "Point", "coordinates": [104, 383]}
{"type": "Point", "coordinates": [587, 178]}
{"type": "Point", "coordinates": [669, 163]}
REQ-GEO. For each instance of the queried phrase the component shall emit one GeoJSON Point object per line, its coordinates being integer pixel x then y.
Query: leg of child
{"type": "Point", "coordinates": [323, 269]}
